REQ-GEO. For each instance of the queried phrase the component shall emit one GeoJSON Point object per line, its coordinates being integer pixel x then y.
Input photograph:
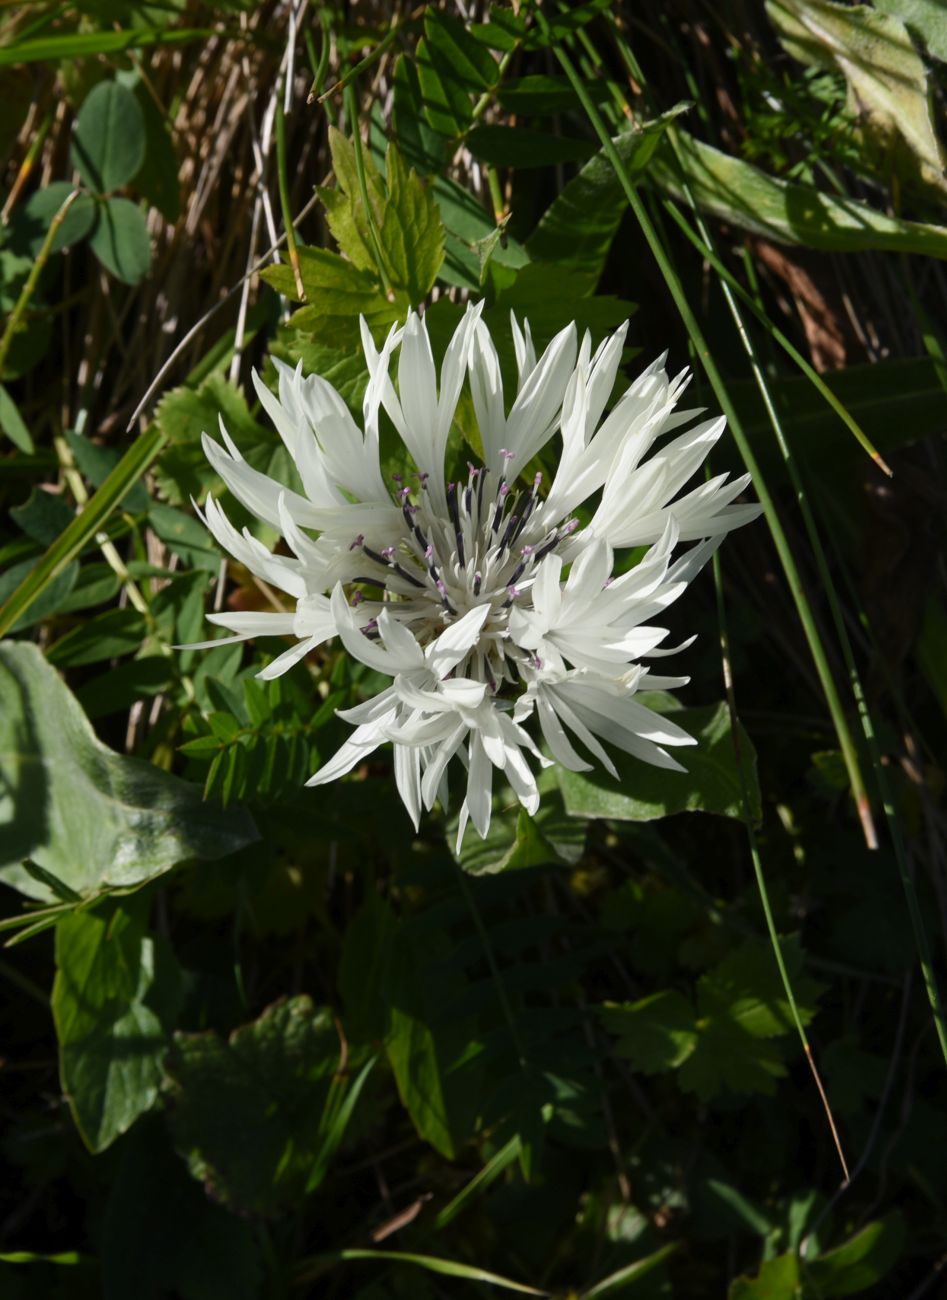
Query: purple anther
{"type": "Point", "coordinates": [388, 552]}
{"type": "Point", "coordinates": [537, 478]}
{"type": "Point", "coordinates": [507, 455]}
{"type": "Point", "coordinates": [537, 662]}
{"type": "Point", "coordinates": [358, 542]}
{"type": "Point", "coordinates": [504, 489]}
{"type": "Point", "coordinates": [404, 493]}
{"type": "Point", "coordinates": [513, 591]}
{"type": "Point", "coordinates": [429, 552]}
{"type": "Point", "coordinates": [357, 598]}
{"type": "Point", "coordinates": [398, 478]}
{"type": "Point", "coordinates": [571, 526]}
{"type": "Point", "coordinates": [440, 586]}
{"type": "Point", "coordinates": [526, 551]}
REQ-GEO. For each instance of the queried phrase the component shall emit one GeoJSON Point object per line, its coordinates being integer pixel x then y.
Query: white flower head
{"type": "Point", "coordinates": [493, 610]}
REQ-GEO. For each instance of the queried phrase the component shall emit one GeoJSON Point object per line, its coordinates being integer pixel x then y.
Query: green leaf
{"type": "Point", "coordinates": [741, 1005]}
{"type": "Point", "coordinates": [517, 146]}
{"type": "Point", "coordinates": [453, 66]}
{"type": "Point", "coordinates": [49, 602]}
{"type": "Point", "coordinates": [185, 537]}
{"type": "Point", "coordinates": [108, 145]}
{"type": "Point", "coordinates": [13, 424]}
{"type": "Point", "coordinates": [577, 229]}
{"type": "Point", "coordinates": [543, 95]}
{"type": "Point", "coordinates": [162, 1235]}
{"type": "Point", "coordinates": [426, 1041]}
{"type": "Point", "coordinates": [423, 148]}
{"type": "Point", "coordinates": [887, 80]}
{"type": "Point", "coordinates": [740, 194]}
{"type": "Point", "coordinates": [517, 840]}
{"type": "Point", "coordinates": [30, 224]}
{"type": "Point", "coordinates": [314, 1267]}
{"type": "Point", "coordinates": [404, 213]}
{"type": "Point", "coordinates": [412, 233]}
{"type": "Point", "coordinates": [778, 1279]}
{"type": "Point", "coordinates": [42, 516]}
{"type": "Point", "coordinates": [120, 240]}
{"type": "Point", "coordinates": [110, 635]}
{"type": "Point", "coordinates": [97, 462]}
{"type": "Point", "coordinates": [84, 45]}
{"type": "Point", "coordinates": [115, 998]}
{"type": "Point", "coordinates": [924, 19]}
{"type": "Point", "coordinates": [93, 818]}
{"type": "Point", "coordinates": [860, 1262]}
{"type": "Point", "coordinates": [157, 178]}
{"type": "Point", "coordinates": [644, 793]}
{"type": "Point", "coordinates": [626, 1277]}
{"type": "Point", "coordinates": [656, 1034]}
{"type": "Point", "coordinates": [245, 1113]}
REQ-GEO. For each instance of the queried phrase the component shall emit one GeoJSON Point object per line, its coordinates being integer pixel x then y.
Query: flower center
{"type": "Point", "coordinates": [483, 551]}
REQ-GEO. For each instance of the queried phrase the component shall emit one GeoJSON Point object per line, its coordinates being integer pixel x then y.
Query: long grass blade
{"type": "Point", "coordinates": [780, 540]}
{"type": "Point", "coordinates": [312, 1268]}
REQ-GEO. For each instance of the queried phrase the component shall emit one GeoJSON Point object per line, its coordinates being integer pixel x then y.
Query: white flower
{"type": "Point", "coordinates": [485, 600]}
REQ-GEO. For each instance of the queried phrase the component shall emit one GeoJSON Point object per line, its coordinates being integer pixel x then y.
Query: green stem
{"type": "Point", "coordinates": [29, 288]}
{"type": "Point", "coordinates": [283, 184]}
{"type": "Point", "coordinates": [780, 540]}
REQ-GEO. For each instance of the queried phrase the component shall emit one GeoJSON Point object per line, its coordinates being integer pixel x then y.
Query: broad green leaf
{"type": "Point", "coordinates": [860, 1262]}
{"type": "Point", "coordinates": [97, 462]}
{"type": "Point", "coordinates": [115, 997]}
{"type": "Point", "coordinates": [897, 401]}
{"type": "Point", "coordinates": [162, 1235]}
{"type": "Point", "coordinates": [50, 601]}
{"type": "Point", "coordinates": [30, 223]}
{"type": "Point", "coordinates": [423, 148]}
{"type": "Point", "coordinates": [157, 178]}
{"type": "Point", "coordinates": [656, 1034]}
{"type": "Point", "coordinates": [453, 67]}
{"type": "Point", "coordinates": [643, 793]}
{"type": "Point", "coordinates": [577, 229]}
{"type": "Point", "coordinates": [108, 144]}
{"type": "Point", "coordinates": [740, 194]}
{"type": "Point", "coordinates": [517, 146]}
{"type": "Point", "coordinates": [426, 1041]}
{"type": "Point", "coordinates": [42, 516]}
{"type": "Point", "coordinates": [185, 537]}
{"type": "Point", "coordinates": [109, 635]}
{"type": "Point", "coordinates": [94, 819]}
{"type": "Point", "coordinates": [120, 240]}
{"type": "Point", "coordinates": [13, 424]}
{"type": "Point", "coordinates": [887, 80]}
{"type": "Point", "coordinates": [924, 19]}
{"type": "Point", "coordinates": [245, 1113]}
{"type": "Point", "coordinates": [542, 95]}
{"type": "Point", "coordinates": [778, 1279]}
{"type": "Point", "coordinates": [517, 840]}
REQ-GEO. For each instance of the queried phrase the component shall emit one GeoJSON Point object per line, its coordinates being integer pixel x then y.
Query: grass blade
{"type": "Point", "coordinates": [433, 1263]}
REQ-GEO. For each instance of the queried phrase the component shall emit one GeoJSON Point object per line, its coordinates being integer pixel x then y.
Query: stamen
{"type": "Point", "coordinates": [358, 542]}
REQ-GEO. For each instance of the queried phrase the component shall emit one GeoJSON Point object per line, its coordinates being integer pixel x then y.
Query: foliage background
{"type": "Point", "coordinates": [258, 1040]}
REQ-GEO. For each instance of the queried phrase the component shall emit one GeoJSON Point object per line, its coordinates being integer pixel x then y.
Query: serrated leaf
{"type": "Point", "coordinates": [642, 793]}
{"type": "Point", "coordinates": [657, 1033]}
{"type": "Point", "coordinates": [108, 146]}
{"type": "Point", "coordinates": [114, 1000]}
{"type": "Point", "coordinates": [245, 1112]}
{"type": "Point", "coordinates": [95, 819]}
{"type": "Point", "coordinates": [412, 232]}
